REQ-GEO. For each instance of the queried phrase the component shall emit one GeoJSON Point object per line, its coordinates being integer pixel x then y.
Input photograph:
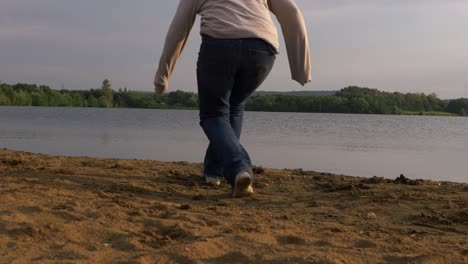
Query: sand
{"type": "Point", "coordinates": [57, 209]}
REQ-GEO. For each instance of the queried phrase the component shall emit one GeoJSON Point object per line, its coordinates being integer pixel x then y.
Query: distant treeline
{"type": "Point", "coordinates": [361, 101]}
{"type": "Point", "coordinates": [33, 95]}
{"type": "Point", "coordinates": [348, 100]}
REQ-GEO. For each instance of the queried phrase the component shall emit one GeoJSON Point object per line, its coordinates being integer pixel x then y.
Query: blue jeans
{"type": "Point", "coordinates": [228, 71]}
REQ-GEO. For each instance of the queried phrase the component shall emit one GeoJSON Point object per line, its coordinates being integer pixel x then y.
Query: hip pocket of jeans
{"type": "Point", "coordinates": [257, 52]}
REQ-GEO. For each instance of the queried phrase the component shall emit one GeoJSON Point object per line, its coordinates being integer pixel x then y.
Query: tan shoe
{"type": "Point", "coordinates": [250, 190]}
{"type": "Point", "coordinates": [213, 181]}
{"type": "Point", "coordinates": [242, 185]}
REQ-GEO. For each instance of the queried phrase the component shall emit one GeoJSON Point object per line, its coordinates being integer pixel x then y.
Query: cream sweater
{"type": "Point", "coordinates": [230, 19]}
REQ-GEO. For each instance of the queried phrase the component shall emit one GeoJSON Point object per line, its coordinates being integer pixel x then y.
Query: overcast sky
{"type": "Point", "coordinates": [392, 45]}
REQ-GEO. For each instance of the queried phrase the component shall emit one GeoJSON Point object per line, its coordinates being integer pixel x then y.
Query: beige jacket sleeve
{"type": "Point", "coordinates": [176, 39]}
{"type": "Point", "coordinates": [295, 35]}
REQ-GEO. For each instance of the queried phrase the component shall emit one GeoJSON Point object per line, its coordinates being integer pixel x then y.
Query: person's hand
{"type": "Point", "coordinates": [160, 89]}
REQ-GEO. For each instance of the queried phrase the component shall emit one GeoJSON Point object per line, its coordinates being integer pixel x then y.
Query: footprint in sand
{"type": "Point", "coordinates": [422, 259]}
{"type": "Point", "coordinates": [155, 234]}
{"type": "Point", "coordinates": [11, 245]}
{"type": "Point", "coordinates": [30, 209]}
{"type": "Point", "coordinates": [68, 206]}
{"type": "Point", "coordinates": [232, 257]}
{"type": "Point", "coordinates": [19, 231]}
{"type": "Point", "coordinates": [322, 243]}
{"type": "Point", "coordinates": [120, 241]}
{"type": "Point", "coordinates": [290, 240]}
{"type": "Point", "coordinates": [365, 244]}
{"type": "Point", "coordinates": [68, 216]}
{"type": "Point", "coordinates": [6, 213]}
{"type": "Point", "coordinates": [92, 214]}
{"type": "Point", "coordinates": [65, 211]}
{"type": "Point", "coordinates": [61, 255]}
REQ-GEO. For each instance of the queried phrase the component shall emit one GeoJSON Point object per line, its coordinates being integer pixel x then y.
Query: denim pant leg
{"type": "Point", "coordinates": [228, 71]}
{"type": "Point", "coordinates": [252, 72]}
{"type": "Point", "coordinates": [216, 67]}
{"type": "Point", "coordinates": [213, 164]}
{"type": "Point", "coordinates": [237, 120]}
{"type": "Point", "coordinates": [225, 142]}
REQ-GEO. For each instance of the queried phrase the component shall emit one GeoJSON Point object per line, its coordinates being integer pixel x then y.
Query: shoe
{"type": "Point", "coordinates": [242, 185]}
{"type": "Point", "coordinates": [213, 181]}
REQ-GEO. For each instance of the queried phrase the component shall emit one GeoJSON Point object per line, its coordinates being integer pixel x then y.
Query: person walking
{"type": "Point", "coordinates": [238, 50]}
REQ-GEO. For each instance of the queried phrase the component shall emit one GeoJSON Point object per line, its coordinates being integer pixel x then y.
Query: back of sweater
{"type": "Point", "coordinates": [227, 19]}
{"type": "Point", "coordinates": [231, 19]}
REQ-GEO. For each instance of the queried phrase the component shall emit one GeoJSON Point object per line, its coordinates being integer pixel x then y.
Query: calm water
{"type": "Point", "coordinates": [365, 145]}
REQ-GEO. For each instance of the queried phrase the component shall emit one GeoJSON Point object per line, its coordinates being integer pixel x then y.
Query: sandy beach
{"type": "Point", "coordinates": [57, 209]}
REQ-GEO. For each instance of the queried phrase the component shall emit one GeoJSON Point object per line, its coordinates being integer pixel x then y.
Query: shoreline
{"type": "Point", "coordinates": [403, 113]}
{"type": "Point", "coordinates": [82, 209]}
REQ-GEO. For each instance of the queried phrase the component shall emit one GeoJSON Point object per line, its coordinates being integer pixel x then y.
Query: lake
{"type": "Point", "coordinates": [361, 145]}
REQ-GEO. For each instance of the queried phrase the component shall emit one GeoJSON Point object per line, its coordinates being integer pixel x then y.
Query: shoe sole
{"type": "Point", "coordinates": [215, 183]}
{"type": "Point", "coordinates": [241, 187]}
{"type": "Point", "coordinates": [212, 181]}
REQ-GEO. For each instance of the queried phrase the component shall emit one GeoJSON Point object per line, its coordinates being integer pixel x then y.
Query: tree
{"type": "Point", "coordinates": [351, 99]}
{"type": "Point", "coordinates": [22, 98]}
{"type": "Point", "coordinates": [56, 98]}
{"type": "Point", "coordinates": [359, 105]}
{"type": "Point", "coordinates": [77, 100]}
{"type": "Point", "coordinates": [3, 99]}
{"type": "Point", "coordinates": [463, 112]}
{"type": "Point", "coordinates": [103, 102]}
{"type": "Point", "coordinates": [458, 106]}
{"type": "Point", "coordinates": [92, 101]}
{"type": "Point", "coordinates": [39, 99]}
{"type": "Point", "coordinates": [395, 110]}
{"type": "Point", "coordinates": [107, 92]}
{"type": "Point", "coordinates": [7, 90]}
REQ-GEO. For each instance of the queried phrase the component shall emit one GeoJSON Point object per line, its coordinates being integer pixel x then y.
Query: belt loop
{"type": "Point", "coordinates": [241, 47]}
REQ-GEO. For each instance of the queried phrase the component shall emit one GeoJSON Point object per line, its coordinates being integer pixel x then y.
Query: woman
{"type": "Point", "coordinates": [239, 46]}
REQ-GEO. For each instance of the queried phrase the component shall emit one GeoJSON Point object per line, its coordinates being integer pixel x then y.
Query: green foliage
{"type": "Point", "coordinates": [182, 99]}
{"type": "Point", "coordinates": [351, 99]}
{"type": "Point", "coordinates": [4, 100]}
{"type": "Point", "coordinates": [459, 106]}
{"type": "Point", "coordinates": [107, 98]}
{"type": "Point", "coordinates": [21, 98]}
{"type": "Point", "coordinates": [103, 102]}
{"type": "Point", "coordinates": [59, 98]}
{"type": "Point", "coordinates": [92, 101]}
